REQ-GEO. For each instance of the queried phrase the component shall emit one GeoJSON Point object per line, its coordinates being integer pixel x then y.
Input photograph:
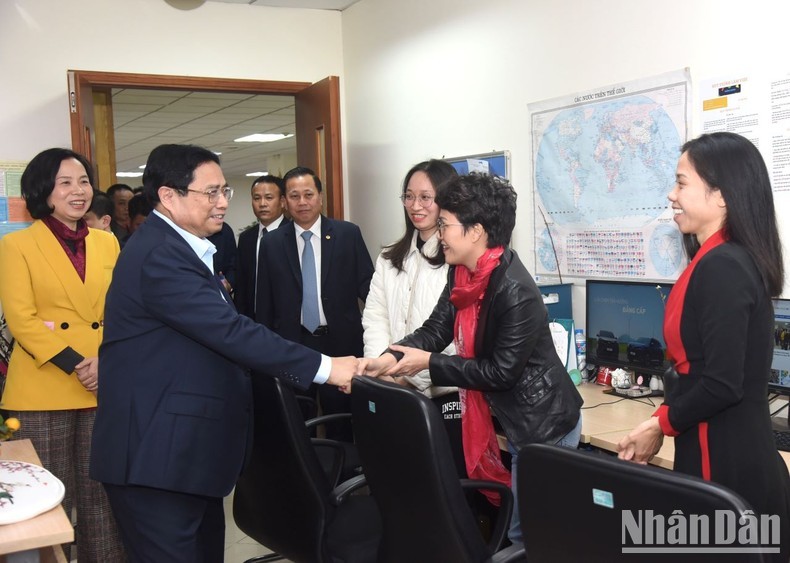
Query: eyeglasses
{"type": "Point", "coordinates": [441, 226]}
{"type": "Point", "coordinates": [214, 194]}
{"type": "Point", "coordinates": [424, 199]}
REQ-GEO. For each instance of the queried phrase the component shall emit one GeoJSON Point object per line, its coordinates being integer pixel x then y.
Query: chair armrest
{"type": "Point", "coordinates": [323, 419]}
{"type": "Point", "coordinates": [511, 554]}
{"type": "Point", "coordinates": [505, 508]}
{"type": "Point", "coordinates": [341, 492]}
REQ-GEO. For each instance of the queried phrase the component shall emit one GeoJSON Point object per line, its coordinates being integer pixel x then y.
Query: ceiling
{"type": "Point", "coordinates": [311, 4]}
{"type": "Point", "coordinates": [145, 119]}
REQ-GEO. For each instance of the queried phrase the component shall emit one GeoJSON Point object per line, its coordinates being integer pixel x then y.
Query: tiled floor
{"type": "Point", "coordinates": [238, 546]}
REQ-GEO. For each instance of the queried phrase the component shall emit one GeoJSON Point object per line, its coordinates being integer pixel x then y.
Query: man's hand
{"type": "Point", "coordinates": [88, 373]}
{"type": "Point", "coordinates": [377, 366]}
{"type": "Point", "coordinates": [343, 370]}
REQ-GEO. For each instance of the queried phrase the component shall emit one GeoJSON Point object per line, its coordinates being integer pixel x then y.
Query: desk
{"type": "Point", "coordinates": [45, 532]}
{"type": "Point", "coordinates": [605, 425]}
{"type": "Point", "coordinates": [611, 413]}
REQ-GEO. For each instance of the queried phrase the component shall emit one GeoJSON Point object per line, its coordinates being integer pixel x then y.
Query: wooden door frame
{"type": "Point", "coordinates": [82, 82]}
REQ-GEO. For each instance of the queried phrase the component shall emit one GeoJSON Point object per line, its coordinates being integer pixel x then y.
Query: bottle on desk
{"type": "Point", "coordinates": [581, 351]}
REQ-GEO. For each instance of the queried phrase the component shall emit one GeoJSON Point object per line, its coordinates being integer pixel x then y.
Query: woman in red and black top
{"type": "Point", "coordinates": [718, 327]}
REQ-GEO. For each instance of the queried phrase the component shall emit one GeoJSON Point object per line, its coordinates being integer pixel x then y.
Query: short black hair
{"type": "Point", "coordinates": [139, 205]}
{"type": "Point", "coordinates": [101, 204]}
{"type": "Point", "coordinates": [480, 198]}
{"type": "Point", "coordinates": [38, 179]}
{"type": "Point", "coordinates": [269, 179]}
{"type": "Point", "coordinates": [115, 188]}
{"type": "Point", "coordinates": [302, 171]}
{"type": "Point", "coordinates": [173, 166]}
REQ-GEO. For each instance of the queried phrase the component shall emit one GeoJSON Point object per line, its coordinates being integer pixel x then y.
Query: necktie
{"type": "Point", "coordinates": [310, 317]}
{"type": "Point", "coordinates": [261, 234]}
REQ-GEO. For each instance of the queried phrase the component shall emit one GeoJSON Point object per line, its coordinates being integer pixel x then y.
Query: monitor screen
{"type": "Point", "coordinates": [625, 325]}
{"type": "Point", "coordinates": [780, 365]}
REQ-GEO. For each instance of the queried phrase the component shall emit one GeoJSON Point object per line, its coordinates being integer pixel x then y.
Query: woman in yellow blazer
{"type": "Point", "coordinates": [54, 276]}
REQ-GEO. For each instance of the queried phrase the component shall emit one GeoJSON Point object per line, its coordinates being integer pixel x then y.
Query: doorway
{"type": "Point", "coordinates": [317, 112]}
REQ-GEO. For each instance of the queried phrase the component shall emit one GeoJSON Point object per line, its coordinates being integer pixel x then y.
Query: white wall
{"type": "Point", "coordinates": [418, 79]}
{"type": "Point", "coordinates": [41, 39]}
{"type": "Point", "coordinates": [454, 77]}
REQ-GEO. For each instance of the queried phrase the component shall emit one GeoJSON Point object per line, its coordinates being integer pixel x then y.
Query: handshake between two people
{"type": "Point", "coordinates": [386, 366]}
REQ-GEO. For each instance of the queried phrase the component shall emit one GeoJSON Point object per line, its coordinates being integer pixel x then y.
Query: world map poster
{"type": "Point", "coordinates": [604, 162]}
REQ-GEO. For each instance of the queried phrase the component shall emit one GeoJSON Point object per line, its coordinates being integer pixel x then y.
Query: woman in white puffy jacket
{"type": "Point", "coordinates": [410, 275]}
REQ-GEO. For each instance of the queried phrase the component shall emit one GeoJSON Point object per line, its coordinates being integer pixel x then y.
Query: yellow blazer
{"type": "Point", "coordinates": [48, 308]}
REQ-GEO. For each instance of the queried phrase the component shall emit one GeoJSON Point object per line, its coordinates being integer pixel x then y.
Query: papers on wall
{"type": "Point", "coordinates": [756, 106]}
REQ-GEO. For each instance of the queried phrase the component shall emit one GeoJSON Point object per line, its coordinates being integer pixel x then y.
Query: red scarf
{"type": "Point", "coordinates": [69, 240]}
{"type": "Point", "coordinates": [481, 450]}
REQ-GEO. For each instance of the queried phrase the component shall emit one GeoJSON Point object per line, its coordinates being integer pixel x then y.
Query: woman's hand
{"type": "Point", "coordinates": [413, 361]}
{"type": "Point", "coordinates": [88, 373]}
{"type": "Point", "coordinates": [642, 443]}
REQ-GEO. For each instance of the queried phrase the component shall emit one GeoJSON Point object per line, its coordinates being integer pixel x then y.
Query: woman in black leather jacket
{"type": "Point", "coordinates": [492, 304]}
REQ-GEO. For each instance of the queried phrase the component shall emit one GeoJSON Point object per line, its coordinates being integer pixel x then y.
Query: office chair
{"type": "Point", "coordinates": [409, 467]}
{"type": "Point", "coordinates": [284, 499]}
{"type": "Point", "coordinates": [575, 505]}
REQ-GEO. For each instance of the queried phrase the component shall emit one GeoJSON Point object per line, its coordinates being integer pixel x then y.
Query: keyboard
{"type": "Point", "coordinates": [633, 392]}
{"type": "Point", "coordinates": [782, 438]}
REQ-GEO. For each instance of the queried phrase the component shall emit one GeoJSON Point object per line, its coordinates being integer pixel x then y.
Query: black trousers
{"type": "Point", "coordinates": [159, 526]}
{"type": "Point", "coordinates": [331, 399]}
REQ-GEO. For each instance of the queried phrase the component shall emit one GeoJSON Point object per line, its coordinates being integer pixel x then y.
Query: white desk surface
{"type": "Point", "coordinates": [46, 531]}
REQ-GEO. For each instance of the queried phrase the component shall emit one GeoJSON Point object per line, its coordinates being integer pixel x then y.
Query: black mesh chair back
{"type": "Point", "coordinates": [586, 506]}
{"type": "Point", "coordinates": [283, 498]}
{"type": "Point", "coordinates": [410, 470]}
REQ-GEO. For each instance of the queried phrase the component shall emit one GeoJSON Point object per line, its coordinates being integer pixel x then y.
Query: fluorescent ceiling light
{"type": "Point", "coordinates": [141, 167]}
{"type": "Point", "coordinates": [262, 137]}
{"type": "Point", "coordinates": [128, 174]}
{"type": "Point", "coordinates": [256, 174]}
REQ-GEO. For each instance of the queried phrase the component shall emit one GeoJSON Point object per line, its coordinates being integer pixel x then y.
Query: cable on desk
{"type": "Point", "coordinates": [642, 400]}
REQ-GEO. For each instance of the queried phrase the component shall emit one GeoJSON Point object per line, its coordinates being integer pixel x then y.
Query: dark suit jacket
{"type": "Point", "coordinates": [346, 270]}
{"type": "Point", "coordinates": [244, 290]}
{"type": "Point", "coordinates": [175, 396]}
{"type": "Point", "coordinates": [225, 257]}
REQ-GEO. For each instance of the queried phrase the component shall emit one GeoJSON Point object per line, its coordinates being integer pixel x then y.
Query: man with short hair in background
{"type": "Point", "coordinates": [268, 204]}
{"type": "Point", "coordinates": [99, 214]}
{"type": "Point", "coordinates": [120, 194]}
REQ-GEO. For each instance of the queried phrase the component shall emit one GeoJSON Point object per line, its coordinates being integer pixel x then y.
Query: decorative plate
{"type": "Point", "coordinates": [27, 490]}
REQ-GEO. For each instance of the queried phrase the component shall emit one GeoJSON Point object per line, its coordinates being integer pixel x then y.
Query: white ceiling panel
{"type": "Point", "coordinates": [144, 119]}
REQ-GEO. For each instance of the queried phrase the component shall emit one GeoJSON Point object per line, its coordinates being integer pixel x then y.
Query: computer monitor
{"type": "Point", "coordinates": [780, 365]}
{"type": "Point", "coordinates": [625, 325]}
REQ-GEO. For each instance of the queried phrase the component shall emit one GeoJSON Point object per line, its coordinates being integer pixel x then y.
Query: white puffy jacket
{"type": "Point", "coordinates": [399, 302]}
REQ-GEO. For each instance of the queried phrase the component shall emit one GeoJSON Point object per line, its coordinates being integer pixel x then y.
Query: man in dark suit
{"type": "Point", "coordinates": [174, 414]}
{"type": "Point", "coordinates": [268, 204]}
{"type": "Point", "coordinates": [225, 256]}
{"type": "Point", "coordinates": [318, 306]}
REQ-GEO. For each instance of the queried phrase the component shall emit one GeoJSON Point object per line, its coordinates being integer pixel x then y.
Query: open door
{"type": "Point", "coordinates": [317, 118]}
{"type": "Point", "coordinates": [318, 139]}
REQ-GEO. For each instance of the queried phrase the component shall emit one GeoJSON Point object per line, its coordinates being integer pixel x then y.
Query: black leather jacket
{"type": "Point", "coordinates": [515, 363]}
